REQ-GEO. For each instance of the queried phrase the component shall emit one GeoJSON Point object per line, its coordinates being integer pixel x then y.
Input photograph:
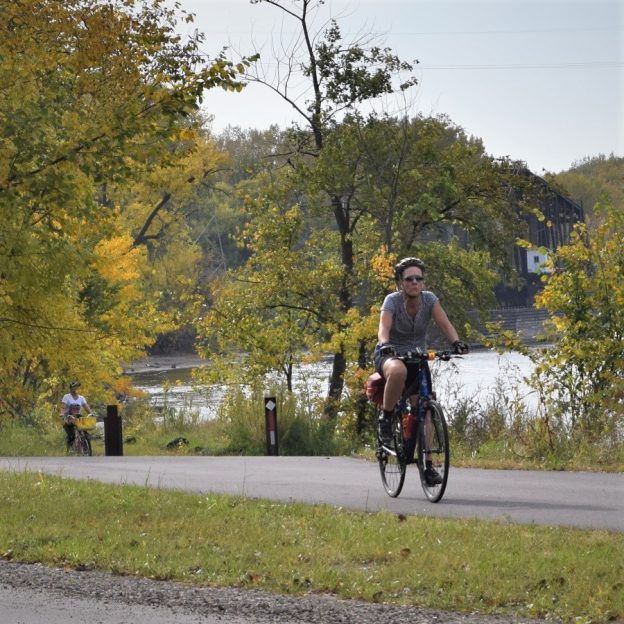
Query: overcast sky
{"type": "Point", "coordinates": [538, 80]}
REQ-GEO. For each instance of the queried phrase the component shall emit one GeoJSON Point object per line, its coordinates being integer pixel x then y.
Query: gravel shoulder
{"type": "Point", "coordinates": [46, 594]}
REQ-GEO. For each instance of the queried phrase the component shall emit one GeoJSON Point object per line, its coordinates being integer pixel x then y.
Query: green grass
{"type": "Point", "coordinates": [17, 439]}
{"type": "Point", "coordinates": [459, 565]}
{"type": "Point", "coordinates": [210, 438]}
{"type": "Point", "coordinates": [500, 454]}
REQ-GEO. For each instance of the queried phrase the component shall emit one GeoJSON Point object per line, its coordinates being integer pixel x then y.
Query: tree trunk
{"type": "Point", "coordinates": [336, 381]}
{"type": "Point", "coordinates": [336, 384]}
{"type": "Point", "coordinates": [362, 410]}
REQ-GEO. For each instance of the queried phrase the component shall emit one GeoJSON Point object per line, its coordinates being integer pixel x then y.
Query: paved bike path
{"type": "Point", "coordinates": [574, 499]}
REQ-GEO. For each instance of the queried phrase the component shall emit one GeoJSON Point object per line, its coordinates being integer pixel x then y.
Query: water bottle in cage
{"type": "Point", "coordinates": [408, 424]}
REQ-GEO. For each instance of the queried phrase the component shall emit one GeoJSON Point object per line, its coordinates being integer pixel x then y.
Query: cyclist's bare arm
{"type": "Point", "coordinates": [385, 323]}
{"type": "Point", "coordinates": [443, 322]}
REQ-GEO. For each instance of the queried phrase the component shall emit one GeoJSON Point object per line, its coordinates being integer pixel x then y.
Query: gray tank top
{"type": "Point", "coordinates": [409, 332]}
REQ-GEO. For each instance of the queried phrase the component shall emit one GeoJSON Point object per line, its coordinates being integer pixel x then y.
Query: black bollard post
{"type": "Point", "coordinates": [270, 415]}
{"type": "Point", "coordinates": [113, 442]}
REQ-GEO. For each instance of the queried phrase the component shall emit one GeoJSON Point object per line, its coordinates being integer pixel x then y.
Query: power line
{"type": "Point", "coordinates": [545, 31]}
{"type": "Point", "coordinates": [436, 33]}
{"type": "Point", "coordinates": [479, 66]}
{"type": "Point", "coordinates": [586, 65]}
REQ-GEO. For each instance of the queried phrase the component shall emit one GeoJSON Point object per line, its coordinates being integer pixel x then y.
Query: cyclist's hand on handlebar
{"type": "Point", "coordinates": [386, 349]}
{"type": "Point", "coordinates": [460, 347]}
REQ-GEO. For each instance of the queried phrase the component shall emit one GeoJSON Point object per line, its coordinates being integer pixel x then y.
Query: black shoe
{"type": "Point", "coordinates": [432, 476]}
{"type": "Point", "coordinates": [384, 427]}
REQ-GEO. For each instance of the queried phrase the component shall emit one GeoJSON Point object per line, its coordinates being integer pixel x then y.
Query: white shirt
{"type": "Point", "coordinates": [73, 405]}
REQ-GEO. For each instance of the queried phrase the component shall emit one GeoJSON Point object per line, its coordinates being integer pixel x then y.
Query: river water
{"type": "Point", "coordinates": [477, 377]}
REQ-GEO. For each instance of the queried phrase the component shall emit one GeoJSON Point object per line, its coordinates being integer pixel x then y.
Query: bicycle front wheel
{"type": "Point", "coordinates": [433, 454]}
{"type": "Point", "coordinates": [392, 459]}
{"type": "Point", "coordinates": [82, 443]}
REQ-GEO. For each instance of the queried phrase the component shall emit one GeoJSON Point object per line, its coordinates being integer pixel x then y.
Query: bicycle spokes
{"type": "Point", "coordinates": [433, 452]}
{"type": "Point", "coordinates": [391, 458]}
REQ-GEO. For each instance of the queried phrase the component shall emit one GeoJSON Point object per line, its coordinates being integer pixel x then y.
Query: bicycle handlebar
{"type": "Point", "coordinates": [422, 356]}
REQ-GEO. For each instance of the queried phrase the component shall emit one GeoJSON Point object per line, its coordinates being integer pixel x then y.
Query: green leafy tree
{"type": "Point", "coordinates": [277, 307]}
{"type": "Point", "coordinates": [366, 190]}
{"type": "Point", "coordinates": [586, 181]}
{"type": "Point", "coordinates": [413, 181]}
{"type": "Point", "coordinates": [285, 268]}
{"type": "Point", "coordinates": [339, 76]}
{"type": "Point", "coordinates": [581, 377]}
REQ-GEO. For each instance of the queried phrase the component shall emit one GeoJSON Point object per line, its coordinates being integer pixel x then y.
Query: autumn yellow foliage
{"type": "Point", "coordinates": [97, 103]}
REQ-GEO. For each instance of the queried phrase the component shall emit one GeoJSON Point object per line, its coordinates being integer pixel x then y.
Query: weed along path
{"type": "Point", "coordinates": [572, 499]}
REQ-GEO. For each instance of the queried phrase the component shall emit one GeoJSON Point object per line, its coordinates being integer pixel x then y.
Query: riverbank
{"type": "Point", "coordinates": [168, 380]}
{"type": "Point", "coordinates": [160, 363]}
{"type": "Point", "coordinates": [526, 323]}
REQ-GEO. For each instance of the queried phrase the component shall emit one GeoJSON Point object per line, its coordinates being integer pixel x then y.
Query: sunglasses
{"type": "Point", "coordinates": [414, 278]}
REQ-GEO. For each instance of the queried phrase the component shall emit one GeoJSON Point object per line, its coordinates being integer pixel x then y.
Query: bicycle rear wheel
{"type": "Point", "coordinates": [433, 446]}
{"type": "Point", "coordinates": [82, 443]}
{"type": "Point", "coordinates": [392, 459]}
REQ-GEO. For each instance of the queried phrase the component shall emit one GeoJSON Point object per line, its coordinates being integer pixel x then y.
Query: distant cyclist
{"type": "Point", "coordinates": [71, 406]}
{"type": "Point", "coordinates": [405, 318]}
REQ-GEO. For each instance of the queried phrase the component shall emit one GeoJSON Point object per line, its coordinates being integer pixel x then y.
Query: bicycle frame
{"type": "Point", "coordinates": [421, 390]}
{"type": "Point", "coordinates": [82, 437]}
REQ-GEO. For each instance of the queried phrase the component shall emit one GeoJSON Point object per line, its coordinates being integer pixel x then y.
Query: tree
{"type": "Point", "coordinates": [95, 94]}
{"type": "Point", "coordinates": [587, 180]}
{"type": "Point", "coordinates": [340, 76]}
{"type": "Point", "coordinates": [416, 179]}
{"type": "Point", "coordinates": [375, 187]}
{"type": "Point", "coordinates": [276, 308]}
{"type": "Point", "coordinates": [581, 377]}
{"type": "Point", "coordinates": [302, 271]}
{"type": "Point", "coordinates": [337, 75]}
{"type": "Point", "coordinates": [161, 211]}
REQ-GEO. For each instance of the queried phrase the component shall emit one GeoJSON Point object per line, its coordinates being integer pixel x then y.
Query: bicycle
{"type": "Point", "coordinates": [419, 430]}
{"type": "Point", "coordinates": [82, 438]}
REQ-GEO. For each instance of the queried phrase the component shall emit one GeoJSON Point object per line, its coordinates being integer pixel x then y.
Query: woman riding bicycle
{"type": "Point", "coordinates": [404, 320]}
{"type": "Point", "coordinates": [71, 405]}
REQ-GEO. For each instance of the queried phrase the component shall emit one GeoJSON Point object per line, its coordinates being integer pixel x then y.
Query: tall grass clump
{"type": "Point", "coordinates": [577, 421]}
{"type": "Point", "coordinates": [505, 429]}
{"type": "Point", "coordinates": [19, 439]}
{"type": "Point", "coordinates": [187, 416]}
{"type": "Point", "coordinates": [302, 427]}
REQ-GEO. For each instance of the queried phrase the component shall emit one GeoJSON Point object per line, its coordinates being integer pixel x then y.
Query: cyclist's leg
{"type": "Point", "coordinates": [70, 435]}
{"type": "Point", "coordinates": [394, 372]}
